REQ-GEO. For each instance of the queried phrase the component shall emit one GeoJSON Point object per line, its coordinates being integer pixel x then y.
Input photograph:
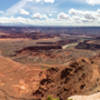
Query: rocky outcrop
{"type": "Point", "coordinates": [80, 77]}
{"type": "Point", "coordinates": [20, 82]}
{"type": "Point", "coordinates": [85, 45]}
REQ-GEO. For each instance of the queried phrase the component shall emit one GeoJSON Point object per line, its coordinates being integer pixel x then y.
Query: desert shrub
{"type": "Point", "coordinates": [51, 98]}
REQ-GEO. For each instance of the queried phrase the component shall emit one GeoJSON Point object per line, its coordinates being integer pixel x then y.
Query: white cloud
{"type": "Point", "coordinates": [75, 12]}
{"type": "Point", "coordinates": [27, 21]}
{"type": "Point", "coordinates": [98, 11]}
{"type": "Point", "coordinates": [23, 4]}
{"type": "Point", "coordinates": [39, 16]}
{"type": "Point", "coordinates": [89, 16]}
{"type": "Point", "coordinates": [93, 2]}
{"type": "Point", "coordinates": [49, 1]}
{"type": "Point", "coordinates": [84, 15]}
{"type": "Point", "coordinates": [24, 12]}
{"type": "Point", "coordinates": [16, 7]}
{"type": "Point", "coordinates": [63, 15]}
{"type": "Point", "coordinates": [81, 16]}
{"type": "Point", "coordinates": [1, 12]}
{"type": "Point", "coordinates": [46, 1]}
{"type": "Point", "coordinates": [73, 18]}
{"type": "Point", "coordinates": [90, 2]}
{"type": "Point", "coordinates": [9, 20]}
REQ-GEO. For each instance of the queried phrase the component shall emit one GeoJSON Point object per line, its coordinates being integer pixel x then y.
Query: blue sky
{"type": "Point", "coordinates": [50, 12]}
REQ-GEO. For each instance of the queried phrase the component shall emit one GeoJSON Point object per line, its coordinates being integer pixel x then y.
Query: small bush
{"type": "Point", "coordinates": [51, 98]}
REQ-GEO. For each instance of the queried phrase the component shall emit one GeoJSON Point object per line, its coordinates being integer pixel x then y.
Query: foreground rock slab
{"type": "Point", "coordinates": [95, 96]}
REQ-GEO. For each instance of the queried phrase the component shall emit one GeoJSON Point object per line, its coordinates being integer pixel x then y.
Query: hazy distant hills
{"type": "Point", "coordinates": [68, 30]}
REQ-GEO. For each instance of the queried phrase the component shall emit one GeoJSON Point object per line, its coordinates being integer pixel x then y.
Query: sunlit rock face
{"type": "Point", "coordinates": [80, 77]}
{"type": "Point", "coordinates": [95, 96]}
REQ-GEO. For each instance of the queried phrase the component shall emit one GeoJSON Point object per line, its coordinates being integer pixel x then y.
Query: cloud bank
{"type": "Point", "coordinates": [73, 17]}
{"type": "Point", "coordinates": [51, 12]}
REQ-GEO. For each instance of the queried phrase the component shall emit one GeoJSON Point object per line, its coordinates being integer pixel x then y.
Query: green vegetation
{"type": "Point", "coordinates": [51, 98]}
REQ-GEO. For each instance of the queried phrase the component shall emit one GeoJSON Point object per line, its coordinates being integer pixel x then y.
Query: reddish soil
{"type": "Point", "coordinates": [25, 82]}
{"type": "Point", "coordinates": [18, 81]}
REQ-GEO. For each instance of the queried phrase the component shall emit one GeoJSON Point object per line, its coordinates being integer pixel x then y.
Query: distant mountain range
{"type": "Point", "coordinates": [59, 30]}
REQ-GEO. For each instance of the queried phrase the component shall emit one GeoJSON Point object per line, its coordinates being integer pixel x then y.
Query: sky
{"type": "Point", "coordinates": [50, 12]}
